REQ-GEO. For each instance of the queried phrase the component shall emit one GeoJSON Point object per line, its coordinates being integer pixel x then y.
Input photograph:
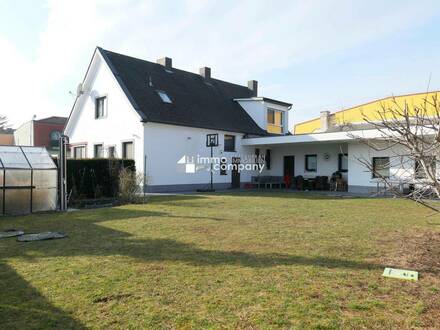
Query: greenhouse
{"type": "Point", "coordinates": [28, 180]}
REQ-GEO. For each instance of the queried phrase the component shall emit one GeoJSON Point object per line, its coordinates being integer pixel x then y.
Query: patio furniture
{"type": "Point", "coordinates": [321, 183]}
{"type": "Point", "coordinates": [298, 182]}
{"type": "Point", "coordinates": [268, 182]}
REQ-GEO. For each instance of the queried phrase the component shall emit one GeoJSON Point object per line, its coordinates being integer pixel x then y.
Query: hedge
{"type": "Point", "coordinates": [95, 178]}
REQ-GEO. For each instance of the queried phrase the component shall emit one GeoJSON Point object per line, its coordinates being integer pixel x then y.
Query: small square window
{"type": "Point", "coordinates": [311, 163]}
{"type": "Point", "coordinates": [164, 96]}
{"type": "Point", "coordinates": [229, 144]}
{"type": "Point", "coordinates": [381, 167]}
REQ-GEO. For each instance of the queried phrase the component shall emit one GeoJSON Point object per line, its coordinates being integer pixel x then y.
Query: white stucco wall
{"type": "Point", "coordinates": [122, 123]}
{"type": "Point", "coordinates": [166, 144]}
{"type": "Point", "coordinates": [359, 175]}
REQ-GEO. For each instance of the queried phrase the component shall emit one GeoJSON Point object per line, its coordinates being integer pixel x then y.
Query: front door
{"type": "Point", "coordinates": [235, 175]}
{"type": "Point", "coordinates": [289, 166]}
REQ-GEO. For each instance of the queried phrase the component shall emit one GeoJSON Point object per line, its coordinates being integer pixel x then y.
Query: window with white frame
{"type": "Point", "coordinates": [311, 163]}
{"type": "Point", "coordinates": [98, 151]}
{"type": "Point", "coordinates": [79, 152]}
{"type": "Point", "coordinates": [127, 150]}
{"type": "Point", "coordinates": [100, 107]}
{"type": "Point", "coordinates": [381, 167]}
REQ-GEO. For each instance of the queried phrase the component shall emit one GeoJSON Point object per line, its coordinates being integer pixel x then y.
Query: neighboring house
{"type": "Point", "coordinates": [6, 136]}
{"type": "Point", "coordinates": [156, 114]}
{"type": "Point", "coordinates": [41, 133]}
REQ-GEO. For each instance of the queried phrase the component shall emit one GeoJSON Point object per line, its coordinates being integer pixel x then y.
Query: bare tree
{"type": "Point", "coordinates": [410, 138]}
{"type": "Point", "coordinates": [4, 122]}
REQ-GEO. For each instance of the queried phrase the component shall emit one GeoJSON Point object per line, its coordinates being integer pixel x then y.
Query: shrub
{"type": "Point", "coordinates": [130, 185]}
{"type": "Point", "coordinates": [95, 178]}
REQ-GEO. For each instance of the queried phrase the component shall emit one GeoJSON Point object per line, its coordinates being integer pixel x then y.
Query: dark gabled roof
{"type": "Point", "coordinates": [53, 120]}
{"type": "Point", "coordinates": [196, 101]}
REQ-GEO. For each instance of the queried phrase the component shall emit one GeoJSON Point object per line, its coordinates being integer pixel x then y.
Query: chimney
{"type": "Point", "coordinates": [325, 121]}
{"type": "Point", "coordinates": [205, 72]}
{"type": "Point", "coordinates": [166, 62]}
{"type": "Point", "coordinates": [253, 86]}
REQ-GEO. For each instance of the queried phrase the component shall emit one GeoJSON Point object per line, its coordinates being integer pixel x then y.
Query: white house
{"type": "Point", "coordinates": [157, 114]}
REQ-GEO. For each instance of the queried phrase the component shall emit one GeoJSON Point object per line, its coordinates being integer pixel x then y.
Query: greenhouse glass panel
{"type": "Point", "coordinates": [38, 157]}
{"type": "Point", "coordinates": [19, 178]}
{"type": "Point", "coordinates": [44, 199]}
{"type": "Point", "coordinates": [45, 179]}
{"type": "Point", "coordinates": [17, 201]}
{"type": "Point", "coordinates": [13, 157]}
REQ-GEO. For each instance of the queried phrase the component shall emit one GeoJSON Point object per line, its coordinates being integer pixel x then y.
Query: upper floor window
{"type": "Point", "coordinates": [275, 121]}
{"type": "Point", "coordinates": [54, 138]}
{"type": "Point", "coordinates": [100, 107]}
{"type": "Point", "coordinates": [381, 167]}
{"type": "Point", "coordinates": [229, 144]}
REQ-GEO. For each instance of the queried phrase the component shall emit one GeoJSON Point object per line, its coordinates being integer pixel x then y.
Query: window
{"type": "Point", "coordinates": [343, 163]}
{"type": "Point", "coordinates": [311, 163]}
{"type": "Point", "coordinates": [100, 107]}
{"type": "Point", "coordinates": [229, 144]}
{"type": "Point", "coordinates": [270, 116]}
{"type": "Point", "coordinates": [275, 121]}
{"type": "Point", "coordinates": [267, 159]}
{"type": "Point", "coordinates": [420, 171]}
{"type": "Point", "coordinates": [111, 152]}
{"type": "Point", "coordinates": [223, 166]}
{"type": "Point", "coordinates": [79, 152]}
{"type": "Point", "coordinates": [97, 151]}
{"type": "Point", "coordinates": [381, 167]}
{"type": "Point", "coordinates": [54, 138]}
{"type": "Point", "coordinates": [127, 150]}
{"type": "Point", "coordinates": [164, 96]}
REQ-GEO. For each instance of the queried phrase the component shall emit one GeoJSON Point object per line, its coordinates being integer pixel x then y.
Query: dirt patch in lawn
{"type": "Point", "coordinates": [420, 251]}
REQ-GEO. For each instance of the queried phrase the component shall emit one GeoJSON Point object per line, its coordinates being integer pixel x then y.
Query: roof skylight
{"type": "Point", "coordinates": [164, 96]}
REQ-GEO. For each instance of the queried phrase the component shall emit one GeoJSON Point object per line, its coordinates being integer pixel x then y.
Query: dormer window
{"type": "Point", "coordinates": [100, 107]}
{"type": "Point", "coordinates": [275, 121]}
{"type": "Point", "coordinates": [164, 96]}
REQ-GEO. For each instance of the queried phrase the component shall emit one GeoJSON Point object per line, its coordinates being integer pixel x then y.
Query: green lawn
{"type": "Point", "coordinates": [244, 260]}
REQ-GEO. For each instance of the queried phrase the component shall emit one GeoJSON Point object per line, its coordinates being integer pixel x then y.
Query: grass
{"type": "Point", "coordinates": [243, 260]}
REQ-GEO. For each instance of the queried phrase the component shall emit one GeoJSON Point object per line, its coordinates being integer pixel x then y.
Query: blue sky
{"type": "Point", "coordinates": [318, 55]}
